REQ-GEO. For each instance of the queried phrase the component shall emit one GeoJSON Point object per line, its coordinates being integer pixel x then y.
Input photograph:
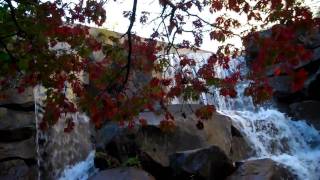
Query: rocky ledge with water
{"type": "Point", "coordinates": [302, 104]}
{"type": "Point", "coordinates": [240, 141]}
{"type": "Point", "coordinates": [188, 151]}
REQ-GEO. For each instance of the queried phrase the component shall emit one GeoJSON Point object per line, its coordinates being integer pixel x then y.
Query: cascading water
{"type": "Point", "coordinates": [58, 152]}
{"type": "Point", "coordinates": [271, 133]}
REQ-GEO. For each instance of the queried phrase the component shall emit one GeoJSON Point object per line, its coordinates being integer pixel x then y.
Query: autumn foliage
{"type": "Point", "coordinates": [46, 43]}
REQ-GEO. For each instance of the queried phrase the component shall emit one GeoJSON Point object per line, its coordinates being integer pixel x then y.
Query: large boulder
{"type": "Point", "coordinates": [22, 149]}
{"type": "Point", "coordinates": [282, 85]}
{"type": "Point", "coordinates": [262, 169]}
{"type": "Point", "coordinates": [13, 135]}
{"type": "Point", "coordinates": [159, 145]}
{"type": "Point", "coordinates": [11, 119]}
{"type": "Point", "coordinates": [209, 163]}
{"type": "Point", "coordinates": [307, 110]}
{"type": "Point", "coordinates": [17, 169]}
{"type": "Point", "coordinates": [12, 96]}
{"type": "Point", "coordinates": [125, 173]}
{"type": "Point", "coordinates": [217, 131]}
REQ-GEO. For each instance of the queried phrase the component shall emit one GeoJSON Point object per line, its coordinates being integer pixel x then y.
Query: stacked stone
{"type": "Point", "coordinates": [17, 136]}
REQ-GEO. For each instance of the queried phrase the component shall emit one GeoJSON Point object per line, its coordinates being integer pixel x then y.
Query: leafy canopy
{"type": "Point", "coordinates": [46, 43]}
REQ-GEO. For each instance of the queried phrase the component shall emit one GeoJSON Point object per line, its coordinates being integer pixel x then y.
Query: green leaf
{"type": "Point", "coordinates": [4, 57]}
{"type": "Point", "coordinates": [23, 63]}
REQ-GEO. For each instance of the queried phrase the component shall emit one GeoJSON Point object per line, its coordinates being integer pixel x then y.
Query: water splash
{"type": "Point", "coordinates": [80, 171]}
{"type": "Point", "coordinates": [57, 150]}
{"type": "Point", "coordinates": [272, 134]}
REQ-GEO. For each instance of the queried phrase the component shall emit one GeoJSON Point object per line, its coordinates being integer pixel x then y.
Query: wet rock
{"type": "Point", "coordinates": [210, 163]}
{"type": "Point", "coordinates": [104, 135]}
{"type": "Point", "coordinates": [63, 149]}
{"type": "Point", "coordinates": [103, 161]}
{"type": "Point", "coordinates": [282, 85]}
{"type": "Point", "coordinates": [13, 97]}
{"type": "Point", "coordinates": [23, 149]}
{"type": "Point", "coordinates": [10, 119]}
{"type": "Point", "coordinates": [240, 149]}
{"type": "Point", "coordinates": [13, 135]}
{"type": "Point", "coordinates": [125, 173]}
{"type": "Point", "coordinates": [27, 107]}
{"type": "Point", "coordinates": [307, 110]}
{"type": "Point", "coordinates": [262, 169]}
{"type": "Point", "coordinates": [16, 169]}
{"type": "Point", "coordinates": [159, 145]}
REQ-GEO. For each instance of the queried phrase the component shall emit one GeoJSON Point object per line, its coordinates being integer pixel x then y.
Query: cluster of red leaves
{"type": "Point", "coordinates": [168, 124]}
{"type": "Point", "coordinates": [113, 93]}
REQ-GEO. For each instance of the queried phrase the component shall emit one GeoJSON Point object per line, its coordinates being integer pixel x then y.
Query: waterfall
{"type": "Point", "coordinates": [59, 153]}
{"type": "Point", "coordinates": [271, 133]}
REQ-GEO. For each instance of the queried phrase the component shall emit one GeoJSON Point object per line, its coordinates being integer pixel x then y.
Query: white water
{"type": "Point", "coordinates": [272, 134]}
{"type": "Point", "coordinates": [80, 171]}
{"type": "Point", "coordinates": [61, 154]}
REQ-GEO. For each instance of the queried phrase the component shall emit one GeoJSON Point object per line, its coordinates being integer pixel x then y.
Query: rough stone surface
{"type": "Point", "coordinates": [16, 170]}
{"type": "Point", "coordinates": [13, 97]}
{"type": "Point", "coordinates": [123, 174]}
{"type": "Point", "coordinates": [23, 149]}
{"type": "Point", "coordinates": [13, 135]}
{"type": "Point", "coordinates": [263, 169]}
{"type": "Point", "coordinates": [307, 110]}
{"type": "Point", "coordinates": [159, 145]}
{"type": "Point", "coordinates": [210, 163]}
{"type": "Point", "coordinates": [282, 85]}
{"type": "Point", "coordinates": [10, 119]}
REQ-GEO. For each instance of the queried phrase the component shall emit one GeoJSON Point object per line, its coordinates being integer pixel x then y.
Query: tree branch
{"type": "Point", "coordinates": [129, 59]}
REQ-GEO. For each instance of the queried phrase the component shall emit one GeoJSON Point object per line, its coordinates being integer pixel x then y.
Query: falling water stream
{"type": "Point", "coordinates": [60, 155]}
{"type": "Point", "coordinates": [272, 134]}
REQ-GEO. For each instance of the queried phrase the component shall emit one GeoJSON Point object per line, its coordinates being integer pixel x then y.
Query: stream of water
{"type": "Point", "coordinates": [271, 133]}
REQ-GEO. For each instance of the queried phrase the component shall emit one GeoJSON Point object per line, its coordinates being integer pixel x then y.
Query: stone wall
{"type": "Point", "coordinates": [17, 136]}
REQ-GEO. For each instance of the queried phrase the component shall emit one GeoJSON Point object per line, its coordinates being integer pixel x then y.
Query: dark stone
{"type": "Point", "coordinates": [235, 132]}
{"type": "Point", "coordinates": [16, 134]}
{"type": "Point", "coordinates": [307, 110]}
{"type": "Point", "coordinates": [210, 163]}
{"type": "Point", "coordinates": [264, 169]}
{"type": "Point", "coordinates": [23, 149]}
{"type": "Point", "coordinates": [124, 173]}
{"type": "Point", "coordinates": [104, 135]}
{"type": "Point", "coordinates": [17, 169]}
{"type": "Point", "coordinates": [12, 96]}
{"type": "Point", "coordinates": [27, 107]}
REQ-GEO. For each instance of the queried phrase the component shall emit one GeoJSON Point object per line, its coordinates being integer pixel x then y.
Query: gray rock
{"type": "Point", "coordinates": [159, 145]}
{"type": "Point", "coordinates": [307, 110]}
{"type": "Point", "coordinates": [10, 119]}
{"type": "Point", "coordinates": [104, 135]}
{"type": "Point", "coordinates": [125, 173]}
{"type": "Point", "coordinates": [216, 131]}
{"type": "Point", "coordinates": [16, 170]}
{"type": "Point", "coordinates": [281, 84]}
{"type": "Point", "coordinates": [262, 169]}
{"type": "Point", "coordinates": [13, 97]}
{"type": "Point", "coordinates": [12, 135]}
{"type": "Point", "coordinates": [22, 149]}
{"type": "Point", "coordinates": [210, 163]}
